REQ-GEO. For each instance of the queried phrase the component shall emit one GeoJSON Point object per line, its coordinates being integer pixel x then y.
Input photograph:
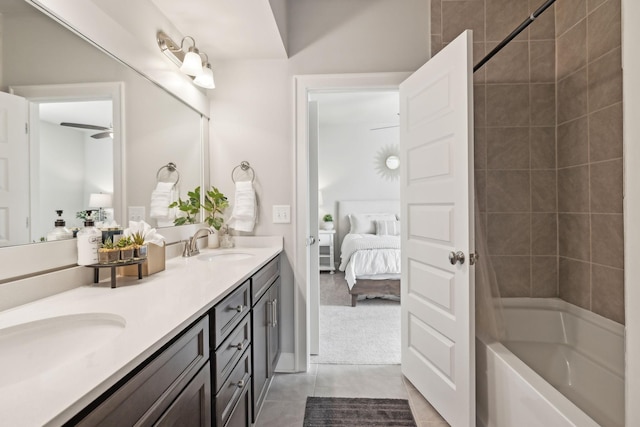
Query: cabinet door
{"type": "Point", "coordinates": [192, 407]}
{"type": "Point", "coordinates": [273, 340]}
{"type": "Point", "coordinates": [261, 315]}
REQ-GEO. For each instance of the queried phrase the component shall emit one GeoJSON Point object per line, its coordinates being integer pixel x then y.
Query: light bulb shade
{"type": "Point", "coordinates": [192, 64]}
{"type": "Point", "coordinates": [205, 78]}
{"type": "Point", "coordinates": [100, 200]}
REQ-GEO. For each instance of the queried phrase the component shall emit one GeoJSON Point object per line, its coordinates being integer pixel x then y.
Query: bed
{"type": "Point", "coordinates": [369, 241]}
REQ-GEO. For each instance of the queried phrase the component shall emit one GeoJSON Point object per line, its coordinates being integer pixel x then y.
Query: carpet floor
{"type": "Point", "coordinates": [339, 411]}
{"type": "Point", "coordinates": [368, 334]}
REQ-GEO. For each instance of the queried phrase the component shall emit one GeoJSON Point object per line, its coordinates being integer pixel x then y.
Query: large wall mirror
{"type": "Point", "coordinates": [133, 127]}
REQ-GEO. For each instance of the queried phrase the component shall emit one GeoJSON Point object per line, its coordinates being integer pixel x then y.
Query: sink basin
{"type": "Point", "coordinates": [32, 348]}
{"type": "Point", "coordinates": [225, 256]}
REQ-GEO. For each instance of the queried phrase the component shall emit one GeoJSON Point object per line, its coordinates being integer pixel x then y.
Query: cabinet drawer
{"type": "Point", "coordinates": [261, 281]}
{"type": "Point", "coordinates": [324, 239]}
{"type": "Point", "coordinates": [229, 312]}
{"type": "Point", "coordinates": [230, 351]}
{"type": "Point", "coordinates": [233, 388]}
{"type": "Point", "coordinates": [144, 397]}
{"type": "Point", "coordinates": [241, 414]}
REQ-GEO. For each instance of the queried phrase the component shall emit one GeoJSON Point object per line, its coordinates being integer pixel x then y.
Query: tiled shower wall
{"type": "Point", "coordinates": [589, 148]}
{"type": "Point", "coordinates": [553, 215]}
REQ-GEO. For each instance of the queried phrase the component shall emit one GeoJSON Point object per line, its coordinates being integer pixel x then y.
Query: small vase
{"type": "Point", "coordinates": [126, 254]}
{"type": "Point", "coordinates": [108, 257]}
{"type": "Point", "coordinates": [214, 241]}
{"type": "Point", "coordinates": [140, 251]}
{"type": "Point", "coordinates": [328, 225]}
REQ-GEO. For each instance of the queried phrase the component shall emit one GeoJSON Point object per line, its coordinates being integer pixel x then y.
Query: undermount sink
{"type": "Point", "coordinates": [32, 348]}
{"type": "Point", "coordinates": [225, 256]}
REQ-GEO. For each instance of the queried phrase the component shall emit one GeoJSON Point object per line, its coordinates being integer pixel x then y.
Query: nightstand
{"type": "Point", "coordinates": [325, 249]}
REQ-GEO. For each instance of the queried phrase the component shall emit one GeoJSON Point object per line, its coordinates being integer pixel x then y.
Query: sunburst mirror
{"type": "Point", "coordinates": [387, 162]}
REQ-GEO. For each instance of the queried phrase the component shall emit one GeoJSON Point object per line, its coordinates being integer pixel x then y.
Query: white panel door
{"type": "Point", "coordinates": [14, 171]}
{"type": "Point", "coordinates": [314, 267]}
{"type": "Point", "coordinates": [436, 138]}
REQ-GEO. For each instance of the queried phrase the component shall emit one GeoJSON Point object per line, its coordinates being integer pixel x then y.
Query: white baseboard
{"type": "Point", "coordinates": [286, 363]}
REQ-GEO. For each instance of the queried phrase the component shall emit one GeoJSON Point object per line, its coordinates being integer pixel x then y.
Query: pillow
{"type": "Point", "coordinates": [387, 227]}
{"type": "Point", "coordinates": [365, 223]}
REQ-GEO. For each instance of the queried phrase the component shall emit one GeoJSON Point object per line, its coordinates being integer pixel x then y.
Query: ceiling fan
{"type": "Point", "coordinates": [385, 127]}
{"type": "Point", "coordinates": [104, 131]}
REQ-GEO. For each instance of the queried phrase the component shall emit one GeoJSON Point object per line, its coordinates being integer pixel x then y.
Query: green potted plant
{"type": "Point", "coordinates": [125, 245]}
{"type": "Point", "coordinates": [139, 247]}
{"type": "Point", "coordinates": [108, 253]}
{"type": "Point", "coordinates": [328, 222]}
{"type": "Point", "coordinates": [189, 207]}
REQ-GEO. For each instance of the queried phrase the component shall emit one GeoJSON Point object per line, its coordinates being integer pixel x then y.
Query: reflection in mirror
{"type": "Point", "coordinates": [152, 129]}
{"type": "Point", "coordinates": [72, 162]}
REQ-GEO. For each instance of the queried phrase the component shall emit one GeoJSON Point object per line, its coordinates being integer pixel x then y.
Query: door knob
{"type": "Point", "coordinates": [455, 257]}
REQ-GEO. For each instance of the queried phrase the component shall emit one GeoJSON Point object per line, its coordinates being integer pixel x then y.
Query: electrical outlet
{"type": "Point", "coordinates": [281, 214]}
{"type": "Point", "coordinates": [136, 213]}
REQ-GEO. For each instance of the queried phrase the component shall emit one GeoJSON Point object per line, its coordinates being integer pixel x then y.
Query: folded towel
{"type": "Point", "coordinates": [161, 198]}
{"type": "Point", "coordinates": [243, 217]}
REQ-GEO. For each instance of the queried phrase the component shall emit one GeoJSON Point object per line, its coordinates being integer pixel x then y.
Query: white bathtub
{"type": "Point", "coordinates": [559, 365]}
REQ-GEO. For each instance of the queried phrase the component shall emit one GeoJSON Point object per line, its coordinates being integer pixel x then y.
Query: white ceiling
{"type": "Point", "coordinates": [227, 29]}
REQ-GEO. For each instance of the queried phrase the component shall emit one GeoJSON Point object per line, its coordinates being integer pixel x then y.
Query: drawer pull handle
{"type": "Point", "coordinates": [239, 346]}
{"type": "Point", "coordinates": [274, 308]}
{"type": "Point", "coordinates": [240, 384]}
{"type": "Point", "coordinates": [239, 308]}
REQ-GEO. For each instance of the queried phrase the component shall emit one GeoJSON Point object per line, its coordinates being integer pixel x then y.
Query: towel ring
{"type": "Point", "coordinates": [171, 167]}
{"type": "Point", "coordinates": [246, 168]}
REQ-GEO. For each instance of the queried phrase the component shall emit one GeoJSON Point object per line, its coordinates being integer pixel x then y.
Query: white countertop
{"type": "Point", "coordinates": [154, 308]}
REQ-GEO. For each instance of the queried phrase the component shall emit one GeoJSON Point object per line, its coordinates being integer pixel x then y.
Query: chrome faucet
{"type": "Point", "coordinates": [191, 245]}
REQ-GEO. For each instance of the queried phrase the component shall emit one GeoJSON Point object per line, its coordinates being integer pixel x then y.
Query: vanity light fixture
{"type": "Point", "coordinates": [190, 61]}
{"type": "Point", "coordinates": [205, 78]}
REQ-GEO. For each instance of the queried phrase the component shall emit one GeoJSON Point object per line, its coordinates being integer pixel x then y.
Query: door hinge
{"type": "Point", "coordinates": [26, 128]}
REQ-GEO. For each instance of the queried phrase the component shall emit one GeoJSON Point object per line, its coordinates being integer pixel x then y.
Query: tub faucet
{"type": "Point", "coordinates": [191, 245]}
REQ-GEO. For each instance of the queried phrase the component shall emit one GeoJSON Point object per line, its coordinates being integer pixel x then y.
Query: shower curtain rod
{"type": "Point", "coordinates": [514, 34]}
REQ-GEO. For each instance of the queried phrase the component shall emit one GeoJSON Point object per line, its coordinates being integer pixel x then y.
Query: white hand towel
{"type": "Point", "coordinates": [161, 198]}
{"type": "Point", "coordinates": [243, 217]}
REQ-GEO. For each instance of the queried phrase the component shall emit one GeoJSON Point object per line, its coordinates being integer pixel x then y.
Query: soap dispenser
{"type": "Point", "coordinates": [89, 240]}
{"type": "Point", "coordinates": [60, 232]}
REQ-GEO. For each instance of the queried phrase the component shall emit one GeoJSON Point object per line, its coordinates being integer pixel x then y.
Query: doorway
{"type": "Point", "coordinates": [305, 231]}
{"type": "Point", "coordinates": [357, 132]}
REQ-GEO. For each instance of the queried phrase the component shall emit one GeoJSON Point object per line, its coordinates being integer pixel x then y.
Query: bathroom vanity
{"type": "Point", "coordinates": [196, 343]}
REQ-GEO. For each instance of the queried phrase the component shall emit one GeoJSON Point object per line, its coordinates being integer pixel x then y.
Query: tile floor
{"type": "Point", "coordinates": [285, 401]}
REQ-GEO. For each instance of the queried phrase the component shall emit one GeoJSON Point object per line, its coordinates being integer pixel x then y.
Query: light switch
{"type": "Point", "coordinates": [281, 214]}
{"type": "Point", "coordinates": [136, 213]}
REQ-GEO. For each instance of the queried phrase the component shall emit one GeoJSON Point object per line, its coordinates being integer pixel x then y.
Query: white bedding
{"type": "Point", "coordinates": [368, 256]}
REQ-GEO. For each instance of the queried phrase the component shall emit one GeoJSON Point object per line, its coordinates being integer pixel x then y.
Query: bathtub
{"type": "Point", "coordinates": [559, 365]}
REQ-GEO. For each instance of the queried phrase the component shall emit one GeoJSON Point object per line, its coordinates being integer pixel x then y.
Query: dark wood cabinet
{"type": "Point", "coordinates": [143, 398]}
{"type": "Point", "coordinates": [265, 321]}
{"type": "Point", "coordinates": [214, 373]}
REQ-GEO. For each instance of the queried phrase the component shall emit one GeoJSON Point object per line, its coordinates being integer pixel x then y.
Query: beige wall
{"type": "Point", "coordinates": [552, 211]}
{"type": "Point", "coordinates": [515, 139]}
{"type": "Point", "coordinates": [589, 150]}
